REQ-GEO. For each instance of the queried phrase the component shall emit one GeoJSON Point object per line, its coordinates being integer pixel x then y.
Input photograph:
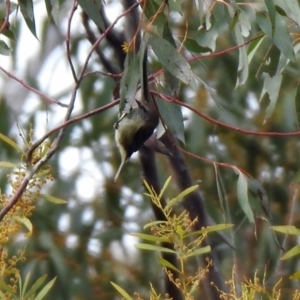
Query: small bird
{"type": "Point", "coordinates": [134, 127]}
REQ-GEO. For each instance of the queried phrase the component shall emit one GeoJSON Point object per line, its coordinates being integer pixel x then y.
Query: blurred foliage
{"type": "Point", "coordinates": [85, 243]}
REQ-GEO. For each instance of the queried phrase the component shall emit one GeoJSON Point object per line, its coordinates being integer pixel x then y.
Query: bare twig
{"type": "Point", "coordinates": [30, 88]}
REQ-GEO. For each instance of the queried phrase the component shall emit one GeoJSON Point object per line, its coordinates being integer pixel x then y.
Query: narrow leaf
{"type": "Point", "coordinates": [291, 253]}
{"type": "Point", "coordinates": [181, 196]}
{"type": "Point", "coordinates": [7, 164]}
{"type": "Point", "coordinates": [167, 264]}
{"type": "Point", "coordinates": [170, 58]}
{"type": "Point", "coordinates": [149, 237]}
{"type": "Point", "coordinates": [45, 290]}
{"type": "Point", "coordinates": [121, 291]}
{"type": "Point", "coordinates": [26, 7]}
{"type": "Point", "coordinates": [295, 275]}
{"type": "Point", "coordinates": [38, 283]}
{"type": "Point", "coordinates": [242, 193]}
{"type": "Point", "coordinates": [165, 187]}
{"type": "Point", "coordinates": [129, 82]}
{"type": "Point", "coordinates": [287, 229]}
{"type": "Point", "coordinates": [53, 199]}
{"type": "Point", "coordinates": [200, 251]}
{"type": "Point", "coordinates": [92, 9]}
{"type": "Point", "coordinates": [4, 49]}
{"type": "Point", "coordinates": [209, 229]}
{"type": "Point", "coordinates": [26, 222]}
{"type": "Point", "coordinates": [154, 248]}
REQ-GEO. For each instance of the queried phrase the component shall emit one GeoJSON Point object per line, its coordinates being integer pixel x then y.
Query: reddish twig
{"type": "Point", "coordinates": [49, 99]}
{"type": "Point", "coordinates": [219, 123]}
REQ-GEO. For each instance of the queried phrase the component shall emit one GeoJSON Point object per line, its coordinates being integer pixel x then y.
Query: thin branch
{"type": "Point", "coordinates": [49, 99]}
{"type": "Point", "coordinates": [68, 38]}
{"type": "Point", "coordinates": [67, 123]}
{"type": "Point", "coordinates": [219, 123]}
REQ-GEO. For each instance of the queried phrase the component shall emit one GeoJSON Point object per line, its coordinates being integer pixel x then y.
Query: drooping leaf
{"type": "Point", "coordinates": [170, 79]}
{"type": "Point", "coordinates": [150, 9]}
{"type": "Point", "coordinates": [293, 5]}
{"type": "Point", "coordinates": [253, 47]}
{"type": "Point", "coordinates": [280, 35]}
{"type": "Point", "coordinates": [242, 194]}
{"type": "Point", "coordinates": [26, 7]}
{"type": "Point", "coordinates": [297, 109]}
{"type": "Point", "coordinates": [272, 86]}
{"type": "Point", "coordinates": [92, 9]}
{"type": "Point", "coordinates": [129, 82]}
{"type": "Point", "coordinates": [172, 116]}
{"type": "Point", "coordinates": [272, 12]}
{"type": "Point", "coordinates": [207, 36]}
{"type": "Point", "coordinates": [170, 58]}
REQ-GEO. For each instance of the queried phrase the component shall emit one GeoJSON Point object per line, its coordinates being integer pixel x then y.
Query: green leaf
{"type": "Point", "coordinates": [23, 287]}
{"type": "Point", "coordinates": [173, 118]}
{"type": "Point", "coordinates": [92, 9]}
{"type": "Point", "coordinates": [272, 12]}
{"type": "Point", "coordinates": [7, 164]}
{"type": "Point", "coordinates": [53, 199]}
{"type": "Point", "coordinates": [10, 142]}
{"type": "Point", "coordinates": [272, 86]}
{"type": "Point", "coordinates": [149, 237]}
{"type": "Point", "coordinates": [170, 58]}
{"type": "Point", "coordinates": [26, 222]}
{"type": "Point", "coordinates": [129, 82]}
{"type": "Point", "coordinates": [170, 79]}
{"type": "Point", "coordinates": [200, 251]}
{"type": "Point", "coordinates": [45, 290]}
{"type": "Point", "coordinates": [154, 223]}
{"type": "Point", "coordinates": [6, 288]}
{"type": "Point", "coordinates": [207, 36]}
{"type": "Point", "coordinates": [184, 193]}
{"type": "Point", "coordinates": [38, 283]}
{"type": "Point", "coordinates": [26, 7]}
{"type": "Point", "coordinates": [4, 49]}
{"type": "Point", "coordinates": [296, 178]}
{"type": "Point", "coordinates": [253, 47]}
{"type": "Point", "coordinates": [291, 253]}
{"type": "Point", "coordinates": [193, 46]}
{"type": "Point", "coordinates": [165, 187]}
{"type": "Point", "coordinates": [167, 264]}
{"type": "Point", "coordinates": [150, 9]}
{"type": "Point", "coordinates": [293, 5]}
{"type": "Point", "coordinates": [242, 194]}
{"type": "Point", "coordinates": [121, 290]}
{"type": "Point", "coordinates": [295, 275]}
{"type": "Point", "coordinates": [209, 229]}
{"type": "Point", "coordinates": [280, 35]}
{"type": "Point", "coordinates": [287, 229]}
{"type": "Point", "coordinates": [154, 248]}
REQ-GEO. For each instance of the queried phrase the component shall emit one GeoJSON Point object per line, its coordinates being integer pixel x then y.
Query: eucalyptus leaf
{"type": "Point", "coordinates": [93, 9]}
{"type": "Point", "coordinates": [242, 193]}
{"type": "Point", "coordinates": [26, 7]}
{"type": "Point", "coordinates": [170, 58]}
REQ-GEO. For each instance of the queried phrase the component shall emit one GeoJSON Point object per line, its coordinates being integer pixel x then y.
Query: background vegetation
{"type": "Point", "coordinates": [240, 110]}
